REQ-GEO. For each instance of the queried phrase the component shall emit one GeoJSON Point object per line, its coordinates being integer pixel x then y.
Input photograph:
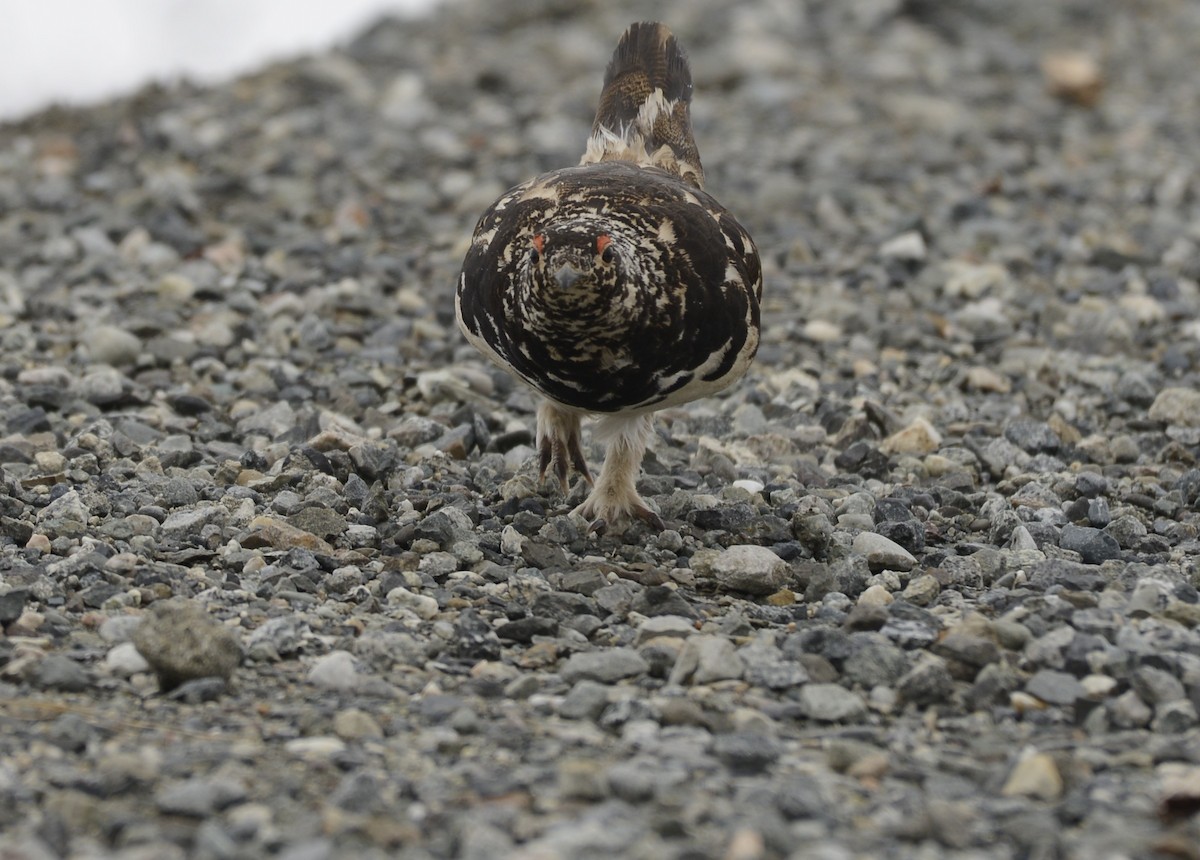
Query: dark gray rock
{"type": "Point", "coordinates": [1093, 545]}
{"type": "Point", "coordinates": [58, 672]}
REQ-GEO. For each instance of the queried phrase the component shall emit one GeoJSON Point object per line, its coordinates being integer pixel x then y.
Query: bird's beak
{"type": "Point", "coordinates": [567, 275]}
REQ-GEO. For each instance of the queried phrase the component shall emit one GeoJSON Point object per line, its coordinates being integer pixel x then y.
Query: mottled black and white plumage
{"type": "Point", "coordinates": [617, 287]}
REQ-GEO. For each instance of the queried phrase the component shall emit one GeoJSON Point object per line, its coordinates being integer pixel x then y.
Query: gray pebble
{"type": "Point", "coordinates": [181, 641]}
{"type": "Point", "coordinates": [705, 659]}
{"type": "Point", "coordinates": [1093, 545]}
{"type": "Point", "coordinates": [606, 667]}
{"type": "Point", "coordinates": [58, 672]}
{"type": "Point", "coordinates": [1054, 687]}
{"type": "Point", "coordinates": [199, 797]}
{"type": "Point", "coordinates": [927, 683]}
{"type": "Point", "coordinates": [585, 701]}
{"type": "Point", "coordinates": [747, 568]}
{"type": "Point", "coordinates": [831, 703]}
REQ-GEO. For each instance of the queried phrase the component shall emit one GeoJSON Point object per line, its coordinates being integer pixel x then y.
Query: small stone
{"type": "Point", "coordinates": [746, 752]}
{"type": "Point", "coordinates": [1179, 794]}
{"type": "Point", "coordinates": [705, 659]}
{"type": "Point", "coordinates": [874, 663]}
{"type": "Point", "coordinates": [922, 590]}
{"type": "Point", "coordinates": [315, 749]}
{"type": "Point", "coordinates": [1073, 76]}
{"type": "Point", "coordinates": [1150, 596]}
{"type": "Point", "coordinates": [421, 605]}
{"type": "Point", "coordinates": [875, 595]}
{"type": "Point", "coordinates": [181, 641]}
{"type": "Point", "coordinates": [581, 779]}
{"type": "Point", "coordinates": [909, 246]}
{"type": "Point", "coordinates": [334, 671]}
{"type": "Point", "coordinates": [354, 724]}
{"type": "Point", "coordinates": [831, 703]}
{"type": "Point", "coordinates": [58, 672]}
{"type": "Point", "coordinates": [1032, 436]}
{"type": "Point", "coordinates": [664, 625]}
{"type": "Point", "coordinates": [969, 649]}
{"type": "Point", "coordinates": [882, 553]}
{"type": "Point", "coordinates": [746, 844]}
{"type": "Point", "coordinates": [608, 666]}
{"type": "Point", "coordinates": [1093, 545]}
{"type": "Point", "coordinates": [124, 660]}
{"type": "Point", "coordinates": [1156, 686]}
{"type": "Point", "coordinates": [185, 524]}
{"type": "Point", "coordinates": [1055, 688]}
{"type": "Point", "coordinates": [12, 604]}
{"type": "Point", "coordinates": [1128, 711]}
{"type": "Point", "coordinates": [1175, 717]}
{"type": "Point", "coordinates": [747, 568]}
{"type": "Point", "coordinates": [919, 437]}
{"type": "Point", "coordinates": [199, 797]}
{"type": "Point", "coordinates": [1179, 407]}
{"type": "Point", "coordinates": [1098, 686]}
{"type": "Point", "coordinates": [1035, 775]}
{"type": "Point", "coordinates": [985, 379]}
{"type": "Point", "coordinates": [585, 701]}
{"type": "Point", "coordinates": [927, 683]}
{"type": "Point", "coordinates": [822, 331]}
{"type": "Point", "coordinates": [267, 531]}
{"type": "Point", "coordinates": [111, 345]}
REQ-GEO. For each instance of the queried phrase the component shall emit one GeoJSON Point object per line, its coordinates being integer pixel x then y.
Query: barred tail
{"type": "Point", "coordinates": [644, 108]}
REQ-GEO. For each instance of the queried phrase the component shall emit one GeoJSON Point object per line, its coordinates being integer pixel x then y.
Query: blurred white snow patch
{"type": "Point", "coordinates": [74, 52]}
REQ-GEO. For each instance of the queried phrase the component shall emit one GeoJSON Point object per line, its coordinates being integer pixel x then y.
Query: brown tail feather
{"type": "Point", "coordinates": [644, 107]}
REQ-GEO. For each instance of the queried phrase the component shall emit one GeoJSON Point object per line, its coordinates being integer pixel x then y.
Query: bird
{"type": "Point", "coordinates": [616, 287]}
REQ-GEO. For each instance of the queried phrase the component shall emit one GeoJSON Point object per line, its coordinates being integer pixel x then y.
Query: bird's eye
{"type": "Point", "coordinates": [607, 255]}
{"type": "Point", "coordinates": [534, 256]}
{"type": "Point", "coordinates": [539, 245]}
{"type": "Point", "coordinates": [604, 247]}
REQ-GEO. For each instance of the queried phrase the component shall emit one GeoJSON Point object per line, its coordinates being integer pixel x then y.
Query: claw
{"type": "Point", "coordinates": [577, 459]}
{"type": "Point", "coordinates": [598, 527]}
{"type": "Point", "coordinates": [650, 518]}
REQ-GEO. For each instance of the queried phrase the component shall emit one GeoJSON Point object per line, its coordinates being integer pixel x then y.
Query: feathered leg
{"type": "Point", "coordinates": [614, 496]}
{"type": "Point", "coordinates": [559, 442]}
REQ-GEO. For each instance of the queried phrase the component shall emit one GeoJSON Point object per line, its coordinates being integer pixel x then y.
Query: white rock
{"type": "Point", "coordinates": [124, 660]}
{"type": "Point", "coordinates": [421, 605]}
{"type": "Point", "coordinates": [334, 671]}
{"type": "Point", "coordinates": [875, 595]}
{"type": "Point", "coordinates": [315, 748]}
{"type": "Point", "coordinates": [882, 552]}
{"type": "Point", "coordinates": [906, 246]}
{"type": "Point", "coordinates": [1035, 775]}
{"type": "Point", "coordinates": [749, 486]}
{"type": "Point", "coordinates": [511, 541]}
{"type": "Point", "coordinates": [744, 567]}
{"type": "Point", "coordinates": [675, 626]}
{"type": "Point", "coordinates": [919, 437]}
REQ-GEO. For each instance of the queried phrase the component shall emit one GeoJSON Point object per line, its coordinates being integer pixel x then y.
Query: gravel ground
{"type": "Point", "coordinates": [276, 578]}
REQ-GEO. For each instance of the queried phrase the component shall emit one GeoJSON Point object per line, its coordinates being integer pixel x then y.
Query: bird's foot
{"type": "Point", "coordinates": [560, 445]}
{"type": "Point", "coordinates": [605, 507]}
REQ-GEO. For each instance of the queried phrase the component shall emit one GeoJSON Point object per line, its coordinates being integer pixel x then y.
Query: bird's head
{"type": "Point", "coordinates": [577, 266]}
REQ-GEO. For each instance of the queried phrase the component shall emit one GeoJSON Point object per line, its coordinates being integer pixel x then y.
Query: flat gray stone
{"type": "Point", "coordinates": [607, 666]}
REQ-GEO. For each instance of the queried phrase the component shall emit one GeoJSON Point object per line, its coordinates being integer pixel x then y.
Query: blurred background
{"type": "Point", "coordinates": [68, 52]}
